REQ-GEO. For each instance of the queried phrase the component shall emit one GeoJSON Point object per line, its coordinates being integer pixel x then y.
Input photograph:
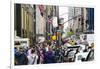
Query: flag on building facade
{"type": "Point", "coordinates": [42, 9]}
{"type": "Point", "coordinates": [55, 22]}
{"type": "Point", "coordinates": [50, 19]}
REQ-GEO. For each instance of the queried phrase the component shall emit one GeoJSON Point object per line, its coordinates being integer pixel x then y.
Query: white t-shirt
{"type": "Point", "coordinates": [29, 52]}
{"type": "Point", "coordinates": [32, 59]}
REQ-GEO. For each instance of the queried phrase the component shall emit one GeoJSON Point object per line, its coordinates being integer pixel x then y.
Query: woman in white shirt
{"type": "Point", "coordinates": [32, 58]}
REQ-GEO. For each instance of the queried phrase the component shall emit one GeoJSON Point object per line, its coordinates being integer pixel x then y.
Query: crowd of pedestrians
{"type": "Point", "coordinates": [48, 52]}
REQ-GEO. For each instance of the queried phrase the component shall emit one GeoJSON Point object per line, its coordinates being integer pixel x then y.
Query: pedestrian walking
{"type": "Point", "coordinates": [41, 57]}
{"type": "Point", "coordinates": [32, 58]}
{"type": "Point", "coordinates": [29, 50]}
{"type": "Point", "coordinates": [20, 57]}
{"type": "Point", "coordinates": [50, 58]}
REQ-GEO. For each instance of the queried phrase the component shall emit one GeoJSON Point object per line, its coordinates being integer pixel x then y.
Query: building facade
{"type": "Point", "coordinates": [90, 21]}
{"type": "Point", "coordinates": [78, 19]}
{"type": "Point", "coordinates": [51, 11]}
{"type": "Point", "coordinates": [24, 21]}
{"type": "Point", "coordinates": [74, 18]}
{"type": "Point", "coordinates": [40, 21]}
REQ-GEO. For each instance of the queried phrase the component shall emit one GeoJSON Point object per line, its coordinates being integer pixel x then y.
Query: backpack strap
{"type": "Point", "coordinates": [34, 59]}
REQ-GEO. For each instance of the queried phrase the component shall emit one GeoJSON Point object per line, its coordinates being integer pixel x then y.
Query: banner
{"type": "Point", "coordinates": [42, 9]}
{"type": "Point", "coordinates": [55, 22]}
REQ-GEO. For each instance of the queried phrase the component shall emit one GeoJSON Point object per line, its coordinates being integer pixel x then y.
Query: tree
{"type": "Point", "coordinates": [70, 33]}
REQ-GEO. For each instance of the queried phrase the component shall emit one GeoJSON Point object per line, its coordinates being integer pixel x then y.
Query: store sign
{"type": "Point", "coordinates": [55, 22]}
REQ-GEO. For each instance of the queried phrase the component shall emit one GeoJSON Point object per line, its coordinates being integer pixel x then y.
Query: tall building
{"type": "Point", "coordinates": [51, 11]}
{"type": "Point", "coordinates": [74, 18]}
{"type": "Point", "coordinates": [90, 20]}
{"type": "Point", "coordinates": [49, 14]}
{"type": "Point", "coordinates": [24, 21]}
{"type": "Point", "coordinates": [87, 24]}
{"type": "Point", "coordinates": [84, 19]}
{"type": "Point", "coordinates": [81, 19]}
{"type": "Point", "coordinates": [40, 20]}
{"type": "Point", "coordinates": [17, 20]}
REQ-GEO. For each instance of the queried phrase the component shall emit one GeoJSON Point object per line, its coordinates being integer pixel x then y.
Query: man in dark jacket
{"type": "Point", "coordinates": [20, 57]}
{"type": "Point", "coordinates": [49, 57]}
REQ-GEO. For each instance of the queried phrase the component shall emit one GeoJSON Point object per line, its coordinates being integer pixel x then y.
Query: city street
{"type": "Point", "coordinates": [46, 34]}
